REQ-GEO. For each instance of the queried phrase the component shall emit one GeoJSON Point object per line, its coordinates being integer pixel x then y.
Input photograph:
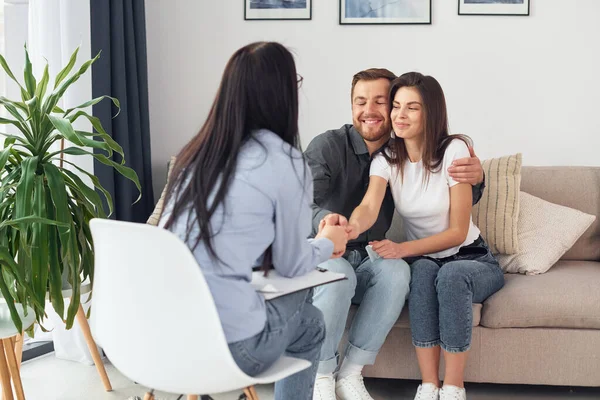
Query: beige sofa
{"type": "Point", "coordinates": [542, 329]}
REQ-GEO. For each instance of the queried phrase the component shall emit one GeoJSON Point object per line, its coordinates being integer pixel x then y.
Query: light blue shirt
{"type": "Point", "coordinates": [268, 202]}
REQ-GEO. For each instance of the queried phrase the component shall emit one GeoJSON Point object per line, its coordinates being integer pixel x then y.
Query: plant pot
{"type": "Point", "coordinates": [70, 344]}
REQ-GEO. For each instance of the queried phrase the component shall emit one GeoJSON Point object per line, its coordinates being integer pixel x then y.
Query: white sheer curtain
{"type": "Point", "coordinates": [2, 82]}
{"type": "Point", "coordinates": [55, 29]}
{"type": "Point", "coordinates": [15, 36]}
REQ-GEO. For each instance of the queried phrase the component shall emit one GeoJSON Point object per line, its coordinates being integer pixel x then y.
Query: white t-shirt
{"type": "Point", "coordinates": [425, 210]}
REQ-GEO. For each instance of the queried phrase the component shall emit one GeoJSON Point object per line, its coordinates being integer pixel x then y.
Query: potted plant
{"type": "Point", "coordinates": [45, 207]}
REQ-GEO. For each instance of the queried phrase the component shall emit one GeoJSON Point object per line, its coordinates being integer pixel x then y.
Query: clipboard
{"type": "Point", "coordinates": [275, 285]}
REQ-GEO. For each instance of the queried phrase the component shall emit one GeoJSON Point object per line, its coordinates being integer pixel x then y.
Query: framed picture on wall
{"type": "Point", "coordinates": [385, 12]}
{"type": "Point", "coordinates": [493, 7]}
{"type": "Point", "coordinates": [277, 9]}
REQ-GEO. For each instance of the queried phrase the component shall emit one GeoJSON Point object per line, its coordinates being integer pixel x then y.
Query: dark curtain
{"type": "Point", "coordinates": [118, 29]}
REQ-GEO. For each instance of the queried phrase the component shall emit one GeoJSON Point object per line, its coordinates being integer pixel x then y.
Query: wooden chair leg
{"type": "Point", "coordinates": [85, 327]}
{"type": "Point", "coordinates": [13, 368]}
{"type": "Point", "coordinates": [149, 396]}
{"type": "Point", "coordinates": [5, 374]}
{"type": "Point", "coordinates": [18, 346]}
{"type": "Point", "coordinates": [250, 393]}
{"type": "Point", "coordinates": [192, 397]}
{"type": "Point", "coordinates": [253, 393]}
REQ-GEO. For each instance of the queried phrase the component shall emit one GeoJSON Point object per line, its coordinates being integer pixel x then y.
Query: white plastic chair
{"type": "Point", "coordinates": [154, 316]}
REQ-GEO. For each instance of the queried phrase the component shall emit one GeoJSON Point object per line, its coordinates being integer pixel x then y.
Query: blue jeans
{"type": "Point", "coordinates": [294, 328]}
{"type": "Point", "coordinates": [442, 292]}
{"type": "Point", "coordinates": [380, 288]}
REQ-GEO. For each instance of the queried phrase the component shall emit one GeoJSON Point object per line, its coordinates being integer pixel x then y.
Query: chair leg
{"type": "Point", "coordinates": [247, 394]}
{"type": "Point", "coordinates": [250, 393]}
{"type": "Point", "coordinates": [13, 368]}
{"type": "Point", "coordinates": [85, 327]}
{"type": "Point", "coordinates": [149, 396]}
{"type": "Point", "coordinates": [192, 397]}
{"type": "Point", "coordinates": [253, 393]}
{"type": "Point", "coordinates": [7, 391]}
{"type": "Point", "coordinates": [18, 346]}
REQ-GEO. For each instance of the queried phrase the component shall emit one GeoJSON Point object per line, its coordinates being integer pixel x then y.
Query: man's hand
{"type": "Point", "coordinates": [332, 220]}
{"type": "Point", "coordinates": [388, 249]}
{"type": "Point", "coordinates": [467, 170]}
{"type": "Point", "coordinates": [337, 234]}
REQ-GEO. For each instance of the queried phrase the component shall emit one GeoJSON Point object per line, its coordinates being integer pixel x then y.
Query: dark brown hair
{"type": "Point", "coordinates": [258, 90]}
{"type": "Point", "coordinates": [436, 137]}
{"type": "Point", "coordinates": [371, 74]}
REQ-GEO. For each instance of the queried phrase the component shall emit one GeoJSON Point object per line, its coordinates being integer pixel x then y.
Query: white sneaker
{"type": "Point", "coordinates": [427, 391]}
{"type": "Point", "coordinates": [324, 388]}
{"type": "Point", "coordinates": [352, 388]}
{"type": "Point", "coordinates": [449, 392]}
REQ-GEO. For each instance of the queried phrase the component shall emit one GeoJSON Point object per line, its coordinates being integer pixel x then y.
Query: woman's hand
{"type": "Point", "coordinates": [388, 249]}
{"type": "Point", "coordinates": [339, 220]}
{"type": "Point", "coordinates": [337, 234]}
{"type": "Point", "coordinates": [334, 219]}
{"type": "Point", "coordinates": [353, 231]}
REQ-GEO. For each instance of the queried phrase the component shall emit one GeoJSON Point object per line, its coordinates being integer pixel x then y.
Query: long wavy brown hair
{"type": "Point", "coordinates": [436, 137]}
{"type": "Point", "coordinates": [259, 90]}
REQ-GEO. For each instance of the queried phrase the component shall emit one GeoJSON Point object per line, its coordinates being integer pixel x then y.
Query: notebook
{"type": "Point", "coordinates": [275, 285]}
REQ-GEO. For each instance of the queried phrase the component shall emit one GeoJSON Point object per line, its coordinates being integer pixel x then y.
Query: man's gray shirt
{"type": "Point", "coordinates": [340, 163]}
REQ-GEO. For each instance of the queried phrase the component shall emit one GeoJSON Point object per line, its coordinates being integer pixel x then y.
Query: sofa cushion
{"type": "Point", "coordinates": [546, 231]}
{"type": "Point", "coordinates": [567, 296]}
{"type": "Point", "coordinates": [403, 321]}
{"type": "Point", "coordinates": [497, 212]}
{"type": "Point", "coordinates": [574, 187]}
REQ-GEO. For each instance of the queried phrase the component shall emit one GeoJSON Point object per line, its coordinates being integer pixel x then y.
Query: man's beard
{"type": "Point", "coordinates": [371, 136]}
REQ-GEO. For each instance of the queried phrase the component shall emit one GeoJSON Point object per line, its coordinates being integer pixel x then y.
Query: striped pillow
{"type": "Point", "coordinates": [497, 212]}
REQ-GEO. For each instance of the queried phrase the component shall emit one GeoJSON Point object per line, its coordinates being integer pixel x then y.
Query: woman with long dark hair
{"type": "Point", "coordinates": [240, 198]}
{"type": "Point", "coordinates": [451, 265]}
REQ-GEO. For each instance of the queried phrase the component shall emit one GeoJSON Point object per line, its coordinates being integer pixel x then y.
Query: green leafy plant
{"type": "Point", "coordinates": [45, 207]}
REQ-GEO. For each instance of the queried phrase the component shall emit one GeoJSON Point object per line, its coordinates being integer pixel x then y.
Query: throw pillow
{"type": "Point", "coordinates": [497, 212]}
{"type": "Point", "coordinates": [546, 231]}
{"type": "Point", "coordinates": [155, 217]}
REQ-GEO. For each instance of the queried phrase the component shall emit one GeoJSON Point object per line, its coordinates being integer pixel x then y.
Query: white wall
{"type": "Point", "coordinates": [514, 84]}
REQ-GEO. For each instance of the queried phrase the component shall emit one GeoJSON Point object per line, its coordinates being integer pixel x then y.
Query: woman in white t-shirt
{"type": "Point", "coordinates": [451, 265]}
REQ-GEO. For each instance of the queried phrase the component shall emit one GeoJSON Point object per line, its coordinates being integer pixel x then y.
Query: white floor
{"type": "Point", "coordinates": [47, 378]}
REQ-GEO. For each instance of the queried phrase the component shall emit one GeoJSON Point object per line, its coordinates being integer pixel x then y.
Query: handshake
{"type": "Point", "coordinates": [336, 228]}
